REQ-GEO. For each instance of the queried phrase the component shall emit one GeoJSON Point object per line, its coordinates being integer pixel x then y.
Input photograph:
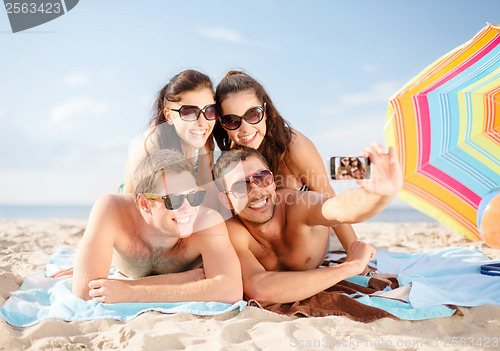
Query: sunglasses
{"type": "Point", "coordinates": [241, 188]}
{"type": "Point", "coordinates": [174, 201]}
{"type": "Point", "coordinates": [252, 116]}
{"type": "Point", "coordinates": [190, 113]}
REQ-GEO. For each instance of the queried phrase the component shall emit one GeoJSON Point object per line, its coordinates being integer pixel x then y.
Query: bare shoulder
{"type": "Point", "coordinates": [238, 233]}
{"type": "Point", "coordinates": [115, 202]}
{"type": "Point", "coordinates": [139, 145]}
{"type": "Point", "coordinates": [296, 202]}
{"type": "Point", "coordinates": [209, 231]}
{"type": "Point", "coordinates": [286, 196]}
{"type": "Point", "coordinates": [301, 142]}
{"type": "Point", "coordinates": [302, 153]}
{"type": "Point", "coordinates": [207, 218]}
{"type": "Point", "coordinates": [113, 208]}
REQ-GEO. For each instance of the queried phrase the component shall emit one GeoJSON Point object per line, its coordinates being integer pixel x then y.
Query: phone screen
{"type": "Point", "coordinates": [349, 168]}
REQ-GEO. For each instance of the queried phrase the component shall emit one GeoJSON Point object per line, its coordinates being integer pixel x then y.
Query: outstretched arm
{"type": "Point", "coordinates": [373, 195]}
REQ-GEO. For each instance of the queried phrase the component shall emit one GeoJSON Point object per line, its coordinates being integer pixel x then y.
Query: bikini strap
{"type": "Point", "coordinates": [195, 161]}
{"type": "Point", "coordinates": [284, 164]}
{"type": "Point", "coordinates": [303, 186]}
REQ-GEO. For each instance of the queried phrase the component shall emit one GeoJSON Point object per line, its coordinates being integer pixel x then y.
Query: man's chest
{"type": "Point", "coordinates": [140, 260]}
{"type": "Point", "coordinates": [297, 251]}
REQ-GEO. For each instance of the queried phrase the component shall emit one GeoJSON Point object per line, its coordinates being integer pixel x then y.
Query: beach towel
{"type": "Point", "coordinates": [436, 282]}
{"type": "Point", "coordinates": [41, 297]}
{"type": "Point", "coordinates": [354, 299]}
{"type": "Point", "coordinates": [360, 298]}
{"type": "Point", "coordinates": [449, 276]}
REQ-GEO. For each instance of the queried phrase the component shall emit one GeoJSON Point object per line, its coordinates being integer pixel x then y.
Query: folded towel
{"type": "Point", "coordinates": [41, 297]}
{"type": "Point", "coordinates": [449, 276]}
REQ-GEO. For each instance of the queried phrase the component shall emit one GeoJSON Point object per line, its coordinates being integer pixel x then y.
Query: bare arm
{"type": "Point", "coordinates": [290, 286]}
{"type": "Point", "coordinates": [222, 281]}
{"type": "Point", "coordinates": [95, 251]}
{"type": "Point", "coordinates": [306, 161]}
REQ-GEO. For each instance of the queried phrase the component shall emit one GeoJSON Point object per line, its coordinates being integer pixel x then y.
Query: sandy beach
{"type": "Point", "coordinates": [27, 244]}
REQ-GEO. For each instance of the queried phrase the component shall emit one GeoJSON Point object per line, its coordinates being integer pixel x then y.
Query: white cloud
{"type": "Point", "coordinates": [75, 79]}
{"type": "Point", "coordinates": [113, 143]}
{"type": "Point", "coordinates": [370, 68]}
{"type": "Point", "coordinates": [351, 138]}
{"type": "Point", "coordinates": [222, 34]}
{"type": "Point", "coordinates": [378, 93]}
{"type": "Point", "coordinates": [76, 107]}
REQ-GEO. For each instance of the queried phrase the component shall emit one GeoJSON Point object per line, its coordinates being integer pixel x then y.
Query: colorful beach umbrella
{"type": "Point", "coordinates": [445, 126]}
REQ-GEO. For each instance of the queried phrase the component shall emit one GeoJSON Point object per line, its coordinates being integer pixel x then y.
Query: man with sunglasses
{"type": "Point", "coordinates": [159, 236]}
{"type": "Point", "coordinates": [281, 236]}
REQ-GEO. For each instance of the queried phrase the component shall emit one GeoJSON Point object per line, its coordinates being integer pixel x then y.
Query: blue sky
{"type": "Point", "coordinates": [75, 91]}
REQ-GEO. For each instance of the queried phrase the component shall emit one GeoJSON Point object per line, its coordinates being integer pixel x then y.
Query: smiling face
{"type": "Point", "coordinates": [178, 222]}
{"type": "Point", "coordinates": [250, 135]}
{"type": "Point", "coordinates": [259, 204]}
{"type": "Point", "coordinates": [194, 133]}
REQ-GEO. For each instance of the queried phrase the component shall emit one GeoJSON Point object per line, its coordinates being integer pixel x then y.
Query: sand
{"type": "Point", "coordinates": [25, 246]}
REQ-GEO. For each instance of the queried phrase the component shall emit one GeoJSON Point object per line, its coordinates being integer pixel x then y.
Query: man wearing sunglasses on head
{"type": "Point", "coordinates": [281, 236]}
{"type": "Point", "coordinates": [159, 236]}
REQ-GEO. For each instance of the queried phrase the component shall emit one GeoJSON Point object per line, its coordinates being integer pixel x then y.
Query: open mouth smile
{"type": "Point", "coordinates": [259, 205]}
{"type": "Point", "coordinates": [248, 138]}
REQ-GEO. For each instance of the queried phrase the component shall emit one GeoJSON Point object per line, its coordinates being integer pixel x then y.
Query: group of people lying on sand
{"type": "Point", "coordinates": [254, 223]}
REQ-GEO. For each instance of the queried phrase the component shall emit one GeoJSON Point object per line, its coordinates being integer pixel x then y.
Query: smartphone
{"type": "Point", "coordinates": [349, 168]}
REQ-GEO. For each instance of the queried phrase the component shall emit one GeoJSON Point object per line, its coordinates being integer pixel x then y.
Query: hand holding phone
{"type": "Point", "coordinates": [386, 174]}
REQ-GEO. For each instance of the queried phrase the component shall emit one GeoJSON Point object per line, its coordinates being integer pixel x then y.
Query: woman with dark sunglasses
{"type": "Point", "coordinates": [248, 117]}
{"type": "Point", "coordinates": [356, 162]}
{"type": "Point", "coordinates": [183, 120]}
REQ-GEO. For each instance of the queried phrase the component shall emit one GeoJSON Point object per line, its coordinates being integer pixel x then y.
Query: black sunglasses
{"type": "Point", "coordinates": [242, 187]}
{"type": "Point", "coordinates": [253, 116]}
{"type": "Point", "coordinates": [190, 113]}
{"type": "Point", "coordinates": [174, 201]}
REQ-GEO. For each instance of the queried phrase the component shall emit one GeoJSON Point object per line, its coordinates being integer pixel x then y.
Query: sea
{"type": "Point", "coordinates": [390, 214]}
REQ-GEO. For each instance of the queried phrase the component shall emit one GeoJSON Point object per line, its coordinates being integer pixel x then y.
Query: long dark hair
{"type": "Point", "coordinates": [278, 131]}
{"type": "Point", "coordinates": [187, 80]}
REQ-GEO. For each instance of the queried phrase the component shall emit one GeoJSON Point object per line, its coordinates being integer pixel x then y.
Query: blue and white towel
{"type": "Point", "coordinates": [450, 276]}
{"type": "Point", "coordinates": [41, 298]}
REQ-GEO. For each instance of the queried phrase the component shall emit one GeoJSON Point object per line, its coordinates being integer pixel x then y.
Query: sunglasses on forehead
{"type": "Point", "coordinates": [253, 116]}
{"type": "Point", "coordinates": [242, 187]}
{"type": "Point", "coordinates": [174, 201]}
{"type": "Point", "coordinates": [190, 113]}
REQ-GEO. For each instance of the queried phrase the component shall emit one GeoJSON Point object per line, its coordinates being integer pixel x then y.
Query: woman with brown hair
{"type": "Point", "coordinates": [183, 120]}
{"type": "Point", "coordinates": [249, 117]}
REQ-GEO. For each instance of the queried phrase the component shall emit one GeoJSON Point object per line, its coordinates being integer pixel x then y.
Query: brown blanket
{"type": "Point", "coordinates": [332, 302]}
